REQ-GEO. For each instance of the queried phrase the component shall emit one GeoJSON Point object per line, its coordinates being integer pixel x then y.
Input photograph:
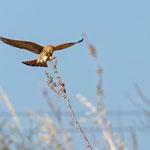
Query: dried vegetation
{"type": "Point", "coordinates": [49, 134]}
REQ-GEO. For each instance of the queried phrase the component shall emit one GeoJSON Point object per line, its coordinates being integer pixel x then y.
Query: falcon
{"type": "Point", "coordinates": [45, 52]}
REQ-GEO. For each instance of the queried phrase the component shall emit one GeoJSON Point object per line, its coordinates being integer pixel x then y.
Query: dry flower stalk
{"type": "Point", "coordinates": [107, 137]}
{"type": "Point", "coordinates": [57, 114]}
{"type": "Point", "coordinates": [13, 114]}
{"type": "Point", "coordinates": [60, 90]}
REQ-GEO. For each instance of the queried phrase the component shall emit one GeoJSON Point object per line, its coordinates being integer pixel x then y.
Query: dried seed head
{"type": "Point", "coordinates": [47, 74]}
{"type": "Point", "coordinates": [61, 84]}
{"type": "Point", "coordinates": [64, 90]}
{"type": "Point", "coordinates": [99, 70]}
{"type": "Point", "coordinates": [56, 64]}
{"type": "Point", "coordinates": [99, 91]}
{"type": "Point", "coordinates": [54, 84]}
{"type": "Point", "coordinates": [50, 80]}
{"type": "Point", "coordinates": [92, 50]}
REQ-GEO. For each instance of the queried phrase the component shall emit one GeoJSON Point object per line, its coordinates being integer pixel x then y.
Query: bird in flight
{"type": "Point", "coordinates": [44, 51]}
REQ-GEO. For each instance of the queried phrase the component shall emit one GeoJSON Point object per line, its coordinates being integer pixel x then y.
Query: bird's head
{"type": "Point", "coordinates": [50, 48]}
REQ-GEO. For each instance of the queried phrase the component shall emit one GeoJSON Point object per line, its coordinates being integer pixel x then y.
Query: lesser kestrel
{"type": "Point", "coordinates": [44, 51]}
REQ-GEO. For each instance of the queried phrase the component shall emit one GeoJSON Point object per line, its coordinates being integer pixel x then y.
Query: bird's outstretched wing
{"type": "Point", "coordinates": [30, 46]}
{"type": "Point", "coordinates": [65, 45]}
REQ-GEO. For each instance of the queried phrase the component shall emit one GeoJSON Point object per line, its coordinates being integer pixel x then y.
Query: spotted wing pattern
{"type": "Point", "coordinates": [30, 46]}
{"type": "Point", "coordinates": [65, 45]}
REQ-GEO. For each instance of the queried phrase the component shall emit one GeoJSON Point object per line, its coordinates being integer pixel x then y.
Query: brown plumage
{"type": "Point", "coordinates": [65, 45]}
{"type": "Point", "coordinates": [34, 63]}
{"type": "Point", "coordinates": [44, 51]}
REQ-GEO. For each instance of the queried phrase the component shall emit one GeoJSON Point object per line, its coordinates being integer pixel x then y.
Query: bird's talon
{"type": "Point", "coordinates": [50, 59]}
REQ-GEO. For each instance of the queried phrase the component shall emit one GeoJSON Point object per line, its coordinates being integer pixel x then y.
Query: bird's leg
{"type": "Point", "coordinates": [51, 58]}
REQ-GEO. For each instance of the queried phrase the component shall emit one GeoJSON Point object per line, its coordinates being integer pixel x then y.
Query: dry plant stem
{"type": "Point", "coordinates": [5, 145]}
{"type": "Point", "coordinates": [146, 100]}
{"type": "Point", "coordinates": [13, 114]}
{"type": "Point", "coordinates": [102, 122]}
{"type": "Point", "coordinates": [107, 137]}
{"type": "Point", "coordinates": [72, 113]}
{"type": "Point", "coordinates": [134, 140]}
{"type": "Point", "coordinates": [110, 130]}
{"type": "Point", "coordinates": [54, 137]}
{"type": "Point", "coordinates": [59, 120]}
{"type": "Point", "coordinates": [89, 145]}
{"type": "Point", "coordinates": [146, 112]}
{"type": "Point", "coordinates": [101, 107]}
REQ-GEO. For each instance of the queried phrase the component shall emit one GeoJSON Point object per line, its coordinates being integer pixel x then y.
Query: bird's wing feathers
{"type": "Point", "coordinates": [35, 63]}
{"type": "Point", "coordinates": [33, 47]}
{"type": "Point", "coordinates": [65, 45]}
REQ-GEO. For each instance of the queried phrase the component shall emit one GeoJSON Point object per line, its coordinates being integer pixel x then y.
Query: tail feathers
{"type": "Point", "coordinates": [35, 63]}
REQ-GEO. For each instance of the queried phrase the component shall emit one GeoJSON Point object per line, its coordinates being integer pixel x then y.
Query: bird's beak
{"type": "Point", "coordinates": [51, 51]}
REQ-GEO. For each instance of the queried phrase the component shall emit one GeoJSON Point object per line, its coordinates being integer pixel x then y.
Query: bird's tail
{"type": "Point", "coordinates": [35, 63]}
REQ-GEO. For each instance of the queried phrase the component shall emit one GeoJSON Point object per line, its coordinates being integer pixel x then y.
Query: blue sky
{"type": "Point", "coordinates": [119, 30]}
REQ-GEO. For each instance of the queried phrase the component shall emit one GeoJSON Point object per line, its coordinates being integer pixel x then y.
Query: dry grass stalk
{"type": "Point", "coordinates": [5, 145]}
{"type": "Point", "coordinates": [13, 114]}
{"type": "Point", "coordinates": [59, 120]}
{"type": "Point", "coordinates": [102, 113]}
{"type": "Point", "coordinates": [146, 100]}
{"type": "Point", "coordinates": [110, 130]}
{"type": "Point", "coordinates": [61, 91]}
{"type": "Point", "coordinates": [47, 130]}
{"type": "Point", "coordinates": [145, 111]}
{"type": "Point", "coordinates": [134, 140]}
{"type": "Point", "coordinates": [49, 126]}
{"type": "Point", "coordinates": [120, 143]}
